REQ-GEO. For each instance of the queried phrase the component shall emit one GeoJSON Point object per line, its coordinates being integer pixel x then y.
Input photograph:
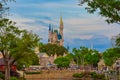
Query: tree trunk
{"type": "Point", "coordinates": [7, 70]}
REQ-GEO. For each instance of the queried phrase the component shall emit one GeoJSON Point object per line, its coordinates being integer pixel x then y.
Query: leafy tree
{"type": "Point", "coordinates": [15, 44]}
{"type": "Point", "coordinates": [93, 57]}
{"type": "Point", "coordinates": [79, 55]}
{"type": "Point", "coordinates": [52, 49]}
{"type": "Point", "coordinates": [4, 8]}
{"type": "Point", "coordinates": [70, 56]}
{"type": "Point", "coordinates": [117, 41]}
{"type": "Point", "coordinates": [108, 56]}
{"type": "Point", "coordinates": [107, 8]}
{"type": "Point", "coordinates": [62, 62]}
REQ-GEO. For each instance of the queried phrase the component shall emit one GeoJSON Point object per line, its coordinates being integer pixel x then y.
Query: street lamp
{"type": "Point", "coordinates": [23, 71]}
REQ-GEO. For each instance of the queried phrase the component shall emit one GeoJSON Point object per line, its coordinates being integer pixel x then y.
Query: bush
{"type": "Point", "coordinates": [93, 74]}
{"type": "Point", "coordinates": [21, 78]}
{"type": "Point", "coordinates": [13, 78]}
{"type": "Point", "coordinates": [97, 76]}
{"type": "Point", "coordinates": [101, 76]}
{"type": "Point", "coordinates": [78, 75]}
{"type": "Point", "coordinates": [2, 76]}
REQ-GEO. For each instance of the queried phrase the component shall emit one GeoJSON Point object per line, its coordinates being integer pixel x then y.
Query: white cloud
{"type": "Point", "coordinates": [36, 28]}
{"type": "Point", "coordinates": [49, 5]}
{"type": "Point", "coordinates": [86, 28]}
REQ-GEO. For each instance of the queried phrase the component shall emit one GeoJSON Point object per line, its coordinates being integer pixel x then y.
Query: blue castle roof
{"type": "Point", "coordinates": [49, 27]}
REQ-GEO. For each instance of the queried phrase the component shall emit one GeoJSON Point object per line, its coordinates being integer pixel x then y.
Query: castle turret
{"type": "Point", "coordinates": [50, 34]}
{"type": "Point", "coordinates": [61, 31]}
{"type": "Point", "coordinates": [56, 35]}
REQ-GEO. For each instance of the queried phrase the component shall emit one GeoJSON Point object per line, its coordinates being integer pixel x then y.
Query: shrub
{"type": "Point", "coordinates": [101, 76]}
{"type": "Point", "coordinates": [78, 75]}
{"type": "Point", "coordinates": [93, 74]}
{"type": "Point", "coordinates": [97, 76]}
{"type": "Point", "coordinates": [13, 78]}
{"type": "Point", "coordinates": [2, 76]}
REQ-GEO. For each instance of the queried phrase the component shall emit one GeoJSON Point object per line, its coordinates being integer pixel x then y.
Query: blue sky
{"type": "Point", "coordinates": [80, 27]}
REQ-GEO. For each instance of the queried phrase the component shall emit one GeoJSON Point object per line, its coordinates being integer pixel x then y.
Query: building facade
{"type": "Point", "coordinates": [56, 35]}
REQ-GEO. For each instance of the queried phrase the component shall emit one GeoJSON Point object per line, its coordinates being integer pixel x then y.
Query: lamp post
{"type": "Point", "coordinates": [23, 71]}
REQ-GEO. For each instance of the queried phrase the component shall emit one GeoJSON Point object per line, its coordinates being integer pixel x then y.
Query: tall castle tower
{"type": "Point", "coordinates": [61, 30]}
{"type": "Point", "coordinates": [56, 35]}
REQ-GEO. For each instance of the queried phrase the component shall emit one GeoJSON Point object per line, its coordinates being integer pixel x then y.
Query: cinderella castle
{"type": "Point", "coordinates": [56, 35]}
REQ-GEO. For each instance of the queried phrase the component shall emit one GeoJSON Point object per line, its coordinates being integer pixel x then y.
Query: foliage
{"type": "Point", "coordinates": [52, 49]}
{"type": "Point", "coordinates": [85, 55]}
{"type": "Point", "coordinates": [70, 56]}
{"type": "Point", "coordinates": [4, 8]}
{"type": "Point", "coordinates": [78, 75]}
{"type": "Point", "coordinates": [97, 76]}
{"type": "Point", "coordinates": [79, 55]}
{"type": "Point", "coordinates": [33, 61]}
{"type": "Point", "coordinates": [2, 76]}
{"type": "Point", "coordinates": [107, 8]}
{"type": "Point", "coordinates": [13, 78]}
{"type": "Point", "coordinates": [92, 57]}
{"type": "Point", "coordinates": [108, 56]}
{"type": "Point", "coordinates": [93, 75]}
{"type": "Point", "coordinates": [62, 62]}
{"type": "Point", "coordinates": [117, 41]}
{"type": "Point", "coordinates": [16, 45]}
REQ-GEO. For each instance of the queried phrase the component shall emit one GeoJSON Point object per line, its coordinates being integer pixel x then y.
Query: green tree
{"type": "Point", "coordinates": [32, 60]}
{"type": "Point", "coordinates": [93, 57]}
{"type": "Point", "coordinates": [117, 41]}
{"type": "Point", "coordinates": [108, 56]}
{"type": "Point", "coordinates": [79, 55]}
{"type": "Point", "coordinates": [52, 49]}
{"type": "Point", "coordinates": [4, 8]}
{"type": "Point", "coordinates": [70, 56]}
{"type": "Point", "coordinates": [15, 44]}
{"type": "Point", "coordinates": [110, 9]}
{"type": "Point", "coordinates": [62, 62]}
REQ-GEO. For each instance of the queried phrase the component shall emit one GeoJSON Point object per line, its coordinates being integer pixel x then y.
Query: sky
{"type": "Point", "coordinates": [80, 27]}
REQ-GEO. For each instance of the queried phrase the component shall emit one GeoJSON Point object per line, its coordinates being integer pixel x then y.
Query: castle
{"type": "Point", "coordinates": [56, 35]}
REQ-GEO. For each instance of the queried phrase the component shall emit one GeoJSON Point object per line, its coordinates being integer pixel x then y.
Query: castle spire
{"type": "Point", "coordinates": [49, 27]}
{"type": "Point", "coordinates": [61, 22]}
{"type": "Point", "coordinates": [61, 31]}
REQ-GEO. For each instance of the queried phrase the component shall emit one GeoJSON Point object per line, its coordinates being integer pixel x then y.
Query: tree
{"type": "Point", "coordinates": [32, 60]}
{"type": "Point", "coordinates": [52, 49]}
{"type": "Point", "coordinates": [108, 56]}
{"type": "Point", "coordinates": [79, 55]}
{"type": "Point", "coordinates": [15, 44]}
{"type": "Point", "coordinates": [4, 8]}
{"type": "Point", "coordinates": [93, 57]}
{"type": "Point", "coordinates": [70, 56]}
{"type": "Point", "coordinates": [109, 9]}
{"type": "Point", "coordinates": [62, 62]}
{"type": "Point", "coordinates": [117, 41]}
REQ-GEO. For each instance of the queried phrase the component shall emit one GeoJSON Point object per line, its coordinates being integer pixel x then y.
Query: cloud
{"type": "Point", "coordinates": [98, 42]}
{"type": "Point", "coordinates": [86, 28]}
{"type": "Point", "coordinates": [80, 28]}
